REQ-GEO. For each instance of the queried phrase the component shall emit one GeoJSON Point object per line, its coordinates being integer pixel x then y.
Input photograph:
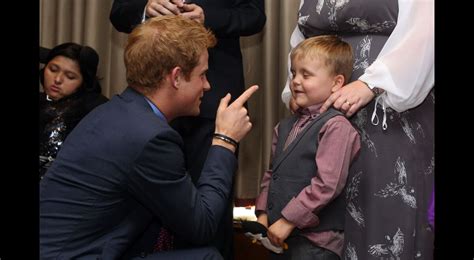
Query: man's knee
{"type": "Point", "coordinates": [201, 253]}
{"type": "Point", "coordinates": [209, 253]}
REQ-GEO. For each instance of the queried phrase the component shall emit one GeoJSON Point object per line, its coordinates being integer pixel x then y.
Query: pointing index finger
{"type": "Point", "coordinates": [245, 96]}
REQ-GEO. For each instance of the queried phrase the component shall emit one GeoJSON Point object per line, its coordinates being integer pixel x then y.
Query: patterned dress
{"type": "Point", "coordinates": [390, 182]}
{"type": "Point", "coordinates": [56, 121]}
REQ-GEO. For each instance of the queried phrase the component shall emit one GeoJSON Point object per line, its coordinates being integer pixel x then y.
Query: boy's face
{"type": "Point", "coordinates": [311, 81]}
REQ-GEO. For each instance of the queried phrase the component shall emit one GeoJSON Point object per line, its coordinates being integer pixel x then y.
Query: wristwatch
{"type": "Point", "coordinates": [377, 91]}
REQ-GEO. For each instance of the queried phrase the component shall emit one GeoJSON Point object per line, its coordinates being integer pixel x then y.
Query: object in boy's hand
{"type": "Point", "coordinates": [246, 213]}
{"type": "Point", "coordinates": [258, 232]}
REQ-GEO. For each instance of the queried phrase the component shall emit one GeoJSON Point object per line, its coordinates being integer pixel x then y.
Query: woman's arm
{"type": "Point", "coordinates": [405, 65]}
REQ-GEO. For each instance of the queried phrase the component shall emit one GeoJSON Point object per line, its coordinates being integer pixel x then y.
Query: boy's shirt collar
{"type": "Point", "coordinates": [312, 111]}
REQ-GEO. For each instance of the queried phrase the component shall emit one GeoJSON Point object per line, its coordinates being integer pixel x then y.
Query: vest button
{"type": "Point", "coordinates": [270, 206]}
{"type": "Point", "coordinates": [275, 177]}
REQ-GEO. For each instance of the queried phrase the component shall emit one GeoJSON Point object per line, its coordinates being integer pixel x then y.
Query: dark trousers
{"type": "Point", "coordinates": [197, 136]}
{"type": "Point", "coordinates": [202, 253]}
{"type": "Point", "coordinates": [300, 248]}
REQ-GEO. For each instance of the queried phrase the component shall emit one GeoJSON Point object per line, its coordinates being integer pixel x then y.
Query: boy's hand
{"type": "Point", "coordinates": [279, 232]}
{"type": "Point", "coordinates": [263, 219]}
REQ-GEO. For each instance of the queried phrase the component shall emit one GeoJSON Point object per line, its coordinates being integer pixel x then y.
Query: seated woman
{"type": "Point", "coordinates": [71, 90]}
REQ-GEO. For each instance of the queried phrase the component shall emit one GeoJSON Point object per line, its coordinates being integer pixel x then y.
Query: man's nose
{"type": "Point", "coordinates": [207, 86]}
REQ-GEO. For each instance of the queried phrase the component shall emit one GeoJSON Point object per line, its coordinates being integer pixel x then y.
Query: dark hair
{"type": "Point", "coordinates": [86, 57]}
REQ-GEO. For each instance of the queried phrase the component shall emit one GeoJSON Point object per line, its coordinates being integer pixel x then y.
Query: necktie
{"type": "Point", "coordinates": [164, 241]}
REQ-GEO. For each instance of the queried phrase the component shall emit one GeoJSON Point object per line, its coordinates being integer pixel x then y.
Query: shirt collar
{"type": "Point", "coordinates": [312, 111]}
{"type": "Point", "coordinates": [156, 110]}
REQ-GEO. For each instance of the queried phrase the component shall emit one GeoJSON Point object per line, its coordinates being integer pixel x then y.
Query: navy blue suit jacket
{"type": "Point", "coordinates": [119, 168]}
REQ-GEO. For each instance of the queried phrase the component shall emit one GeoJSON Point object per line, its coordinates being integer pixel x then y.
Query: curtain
{"type": "Point", "coordinates": [265, 63]}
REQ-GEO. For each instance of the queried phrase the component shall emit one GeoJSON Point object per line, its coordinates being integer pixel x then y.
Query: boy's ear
{"type": "Point", "coordinates": [338, 82]}
{"type": "Point", "coordinates": [175, 76]}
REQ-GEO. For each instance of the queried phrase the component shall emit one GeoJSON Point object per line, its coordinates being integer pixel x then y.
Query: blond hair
{"type": "Point", "coordinates": [334, 52]}
{"type": "Point", "coordinates": [155, 47]}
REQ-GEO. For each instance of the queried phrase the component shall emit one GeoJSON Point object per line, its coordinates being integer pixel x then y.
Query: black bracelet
{"type": "Point", "coordinates": [226, 139]}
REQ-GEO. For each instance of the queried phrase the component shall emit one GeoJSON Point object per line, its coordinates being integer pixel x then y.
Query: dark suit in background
{"type": "Point", "coordinates": [228, 19]}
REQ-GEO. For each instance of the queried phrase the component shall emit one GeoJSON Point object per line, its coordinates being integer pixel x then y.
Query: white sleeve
{"type": "Point", "coordinates": [296, 37]}
{"type": "Point", "coordinates": [405, 65]}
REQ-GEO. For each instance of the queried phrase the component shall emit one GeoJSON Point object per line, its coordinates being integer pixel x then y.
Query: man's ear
{"type": "Point", "coordinates": [338, 82]}
{"type": "Point", "coordinates": [175, 76]}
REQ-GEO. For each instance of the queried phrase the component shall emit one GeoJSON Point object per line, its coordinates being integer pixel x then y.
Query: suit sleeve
{"type": "Point", "coordinates": [159, 181]}
{"type": "Point", "coordinates": [126, 14]}
{"type": "Point", "coordinates": [246, 17]}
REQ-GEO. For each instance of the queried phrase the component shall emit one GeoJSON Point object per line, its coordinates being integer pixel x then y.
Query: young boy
{"type": "Point", "coordinates": [311, 154]}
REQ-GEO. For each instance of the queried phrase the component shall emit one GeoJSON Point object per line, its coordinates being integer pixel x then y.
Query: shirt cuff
{"type": "Point", "coordinates": [299, 215]}
{"type": "Point", "coordinates": [261, 203]}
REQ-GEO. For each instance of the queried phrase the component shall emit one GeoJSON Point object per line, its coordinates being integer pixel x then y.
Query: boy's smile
{"type": "Point", "coordinates": [312, 81]}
